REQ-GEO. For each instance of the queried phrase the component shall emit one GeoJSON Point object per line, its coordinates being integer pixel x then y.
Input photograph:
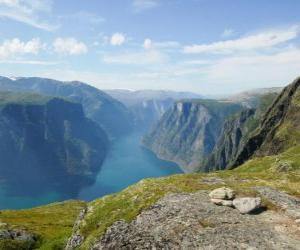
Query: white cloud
{"type": "Point", "coordinates": [30, 62]}
{"type": "Point", "coordinates": [28, 12]}
{"type": "Point", "coordinates": [228, 33]}
{"type": "Point", "coordinates": [86, 17]}
{"type": "Point", "coordinates": [16, 47]}
{"type": "Point", "coordinates": [252, 42]}
{"type": "Point", "coordinates": [149, 44]}
{"type": "Point", "coordinates": [256, 69]}
{"type": "Point", "coordinates": [117, 39]}
{"type": "Point", "coordinates": [137, 58]}
{"type": "Point", "coordinates": [141, 5]}
{"type": "Point", "coordinates": [69, 46]}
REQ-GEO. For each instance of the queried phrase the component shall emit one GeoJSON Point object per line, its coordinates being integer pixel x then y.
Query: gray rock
{"type": "Point", "coordinates": [247, 205]}
{"type": "Point", "coordinates": [222, 193]}
{"type": "Point", "coordinates": [290, 204]}
{"type": "Point", "coordinates": [191, 221]}
{"type": "Point", "coordinates": [76, 238]}
{"type": "Point", "coordinates": [220, 202]}
{"type": "Point", "coordinates": [17, 234]}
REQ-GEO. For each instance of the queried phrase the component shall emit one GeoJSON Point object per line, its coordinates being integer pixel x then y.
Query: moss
{"type": "Point", "coordinates": [52, 223]}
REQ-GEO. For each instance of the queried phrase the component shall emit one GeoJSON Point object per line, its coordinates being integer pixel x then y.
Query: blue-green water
{"type": "Point", "coordinates": [126, 164]}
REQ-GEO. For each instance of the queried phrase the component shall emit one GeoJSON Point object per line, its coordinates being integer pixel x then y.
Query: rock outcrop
{"type": "Point", "coordinates": [191, 221]}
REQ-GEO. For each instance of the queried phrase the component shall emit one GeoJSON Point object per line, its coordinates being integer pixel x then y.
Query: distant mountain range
{"type": "Point", "coordinates": [148, 106]}
{"type": "Point", "coordinates": [97, 105]}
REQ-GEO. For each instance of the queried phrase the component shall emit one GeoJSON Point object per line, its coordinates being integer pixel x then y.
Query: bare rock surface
{"type": "Point", "coordinates": [192, 221]}
{"type": "Point", "coordinates": [289, 203]}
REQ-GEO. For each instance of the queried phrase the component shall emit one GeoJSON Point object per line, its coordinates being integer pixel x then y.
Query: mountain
{"type": "Point", "coordinates": [236, 130]}
{"type": "Point", "coordinates": [148, 106]}
{"type": "Point", "coordinates": [47, 143]}
{"type": "Point", "coordinates": [176, 211]}
{"type": "Point", "coordinates": [279, 128]}
{"type": "Point", "coordinates": [112, 115]}
{"type": "Point", "coordinates": [189, 130]}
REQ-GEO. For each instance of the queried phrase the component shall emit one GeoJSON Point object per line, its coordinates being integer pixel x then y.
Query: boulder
{"type": "Point", "coordinates": [247, 204]}
{"type": "Point", "coordinates": [227, 203]}
{"type": "Point", "coordinates": [222, 193]}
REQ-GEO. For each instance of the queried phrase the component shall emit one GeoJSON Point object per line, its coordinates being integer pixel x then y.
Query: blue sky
{"type": "Point", "coordinates": [206, 46]}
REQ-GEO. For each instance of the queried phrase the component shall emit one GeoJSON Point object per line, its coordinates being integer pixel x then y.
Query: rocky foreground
{"type": "Point", "coordinates": [192, 221]}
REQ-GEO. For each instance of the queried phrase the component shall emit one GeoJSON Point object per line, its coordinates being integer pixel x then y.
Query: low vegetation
{"type": "Point", "coordinates": [52, 224]}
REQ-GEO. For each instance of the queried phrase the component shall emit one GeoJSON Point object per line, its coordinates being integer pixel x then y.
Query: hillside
{"type": "Point", "coordinates": [112, 115]}
{"type": "Point", "coordinates": [235, 133]}
{"type": "Point", "coordinates": [47, 143]}
{"type": "Point", "coordinates": [109, 221]}
{"type": "Point", "coordinates": [189, 130]}
{"type": "Point", "coordinates": [278, 128]}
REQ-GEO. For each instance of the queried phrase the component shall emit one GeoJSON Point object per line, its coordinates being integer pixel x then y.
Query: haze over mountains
{"type": "Point", "coordinates": [148, 106]}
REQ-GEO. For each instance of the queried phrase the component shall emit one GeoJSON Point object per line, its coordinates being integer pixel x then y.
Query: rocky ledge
{"type": "Point", "coordinates": [192, 221]}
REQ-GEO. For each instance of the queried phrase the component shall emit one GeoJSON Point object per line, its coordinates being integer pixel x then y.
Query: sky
{"type": "Point", "coordinates": [210, 47]}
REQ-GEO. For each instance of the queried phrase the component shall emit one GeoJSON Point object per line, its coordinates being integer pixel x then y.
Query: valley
{"type": "Point", "coordinates": [120, 191]}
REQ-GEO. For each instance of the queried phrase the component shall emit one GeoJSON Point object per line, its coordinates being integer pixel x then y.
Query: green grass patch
{"type": "Point", "coordinates": [52, 223]}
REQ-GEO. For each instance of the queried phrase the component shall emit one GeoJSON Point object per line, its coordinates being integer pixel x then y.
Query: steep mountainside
{"type": "Point", "coordinates": [47, 142]}
{"type": "Point", "coordinates": [279, 128]}
{"type": "Point", "coordinates": [112, 115]}
{"type": "Point", "coordinates": [148, 106]}
{"type": "Point", "coordinates": [236, 131]}
{"type": "Point", "coordinates": [189, 131]}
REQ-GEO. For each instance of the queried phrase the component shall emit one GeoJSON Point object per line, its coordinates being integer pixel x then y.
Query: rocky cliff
{"type": "Point", "coordinates": [47, 143]}
{"type": "Point", "coordinates": [235, 133]}
{"type": "Point", "coordinates": [112, 115]}
{"type": "Point", "coordinates": [189, 130]}
{"type": "Point", "coordinates": [278, 129]}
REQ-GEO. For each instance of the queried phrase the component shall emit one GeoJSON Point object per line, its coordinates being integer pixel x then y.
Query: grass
{"type": "Point", "coordinates": [127, 204]}
{"type": "Point", "coordinates": [52, 224]}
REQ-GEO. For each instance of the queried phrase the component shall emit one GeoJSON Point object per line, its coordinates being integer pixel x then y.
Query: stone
{"type": "Point", "coordinates": [227, 203]}
{"type": "Point", "coordinates": [246, 205]}
{"type": "Point", "coordinates": [192, 221]}
{"type": "Point", "coordinates": [222, 193]}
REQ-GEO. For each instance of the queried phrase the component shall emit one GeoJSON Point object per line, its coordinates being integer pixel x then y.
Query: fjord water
{"type": "Point", "coordinates": [126, 163]}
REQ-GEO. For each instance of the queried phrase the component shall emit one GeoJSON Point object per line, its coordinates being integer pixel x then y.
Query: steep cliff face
{"type": "Point", "coordinates": [112, 115]}
{"type": "Point", "coordinates": [236, 132]}
{"type": "Point", "coordinates": [278, 129]}
{"type": "Point", "coordinates": [47, 143]}
{"type": "Point", "coordinates": [188, 131]}
{"type": "Point", "coordinates": [148, 106]}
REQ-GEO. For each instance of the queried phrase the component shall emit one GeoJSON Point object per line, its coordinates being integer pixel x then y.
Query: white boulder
{"type": "Point", "coordinates": [222, 193]}
{"type": "Point", "coordinates": [247, 204]}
